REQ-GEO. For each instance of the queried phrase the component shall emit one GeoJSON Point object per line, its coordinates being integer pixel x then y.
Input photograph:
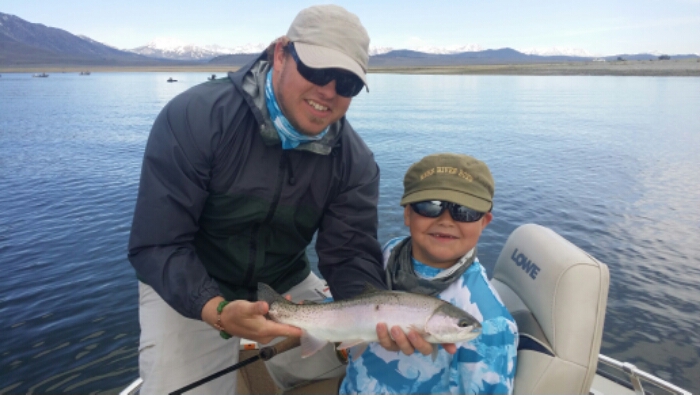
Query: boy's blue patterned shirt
{"type": "Point", "coordinates": [485, 365]}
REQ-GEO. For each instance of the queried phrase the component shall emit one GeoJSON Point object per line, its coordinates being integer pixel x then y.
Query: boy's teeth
{"type": "Point", "coordinates": [317, 106]}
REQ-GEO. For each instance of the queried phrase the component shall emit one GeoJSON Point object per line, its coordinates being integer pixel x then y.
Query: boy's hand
{"type": "Point", "coordinates": [397, 340]}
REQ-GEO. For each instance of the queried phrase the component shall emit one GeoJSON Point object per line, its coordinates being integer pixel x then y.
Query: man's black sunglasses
{"type": "Point", "coordinates": [346, 83]}
{"type": "Point", "coordinates": [435, 208]}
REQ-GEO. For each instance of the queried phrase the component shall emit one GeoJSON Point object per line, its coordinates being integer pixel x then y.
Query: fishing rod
{"type": "Point", "coordinates": [265, 354]}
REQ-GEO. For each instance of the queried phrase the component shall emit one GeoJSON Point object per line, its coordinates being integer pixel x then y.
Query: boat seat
{"type": "Point", "coordinates": [557, 294]}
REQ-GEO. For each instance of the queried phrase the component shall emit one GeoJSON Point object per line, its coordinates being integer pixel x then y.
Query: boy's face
{"type": "Point", "coordinates": [440, 242]}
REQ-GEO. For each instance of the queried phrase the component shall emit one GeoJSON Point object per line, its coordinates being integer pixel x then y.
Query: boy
{"type": "Point", "coordinates": [447, 203]}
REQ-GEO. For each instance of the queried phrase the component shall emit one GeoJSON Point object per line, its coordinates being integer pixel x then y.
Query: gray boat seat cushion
{"type": "Point", "coordinates": [557, 294]}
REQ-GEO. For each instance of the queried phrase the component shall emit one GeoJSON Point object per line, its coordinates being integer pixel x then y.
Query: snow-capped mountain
{"type": "Point", "coordinates": [558, 51]}
{"type": "Point", "coordinates": [88, 39]}
{"type": "Point", "coordinates": [379, 50]}
{"type": "Point", "coordinates": [168, 48]}
{"type": "Point", "coordinates": [449, 49]}
{"type": "Point", "coordinates": [23, 43]}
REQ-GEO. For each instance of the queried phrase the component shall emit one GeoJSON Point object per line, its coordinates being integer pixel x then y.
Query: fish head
{"type": "Point", "coordinates": [449, 324]}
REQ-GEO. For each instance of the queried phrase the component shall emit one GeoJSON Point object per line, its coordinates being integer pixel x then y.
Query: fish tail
{"type": "Point", "coordinates": [269, 295]}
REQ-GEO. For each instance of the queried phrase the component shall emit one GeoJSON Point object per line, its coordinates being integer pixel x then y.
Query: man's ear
{"type": "Point", "coordinates": [279, 56]}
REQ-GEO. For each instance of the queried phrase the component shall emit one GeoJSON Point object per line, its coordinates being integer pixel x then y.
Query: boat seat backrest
{"type": "Point", "coordinates": [557, 294]}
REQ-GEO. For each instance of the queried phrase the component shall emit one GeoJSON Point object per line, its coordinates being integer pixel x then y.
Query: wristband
{"type": "Point", "coordinates": [218, 324]}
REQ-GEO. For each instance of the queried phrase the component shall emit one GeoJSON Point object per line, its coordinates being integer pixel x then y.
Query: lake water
{"type": "Point", "coordinates": [610, 163]}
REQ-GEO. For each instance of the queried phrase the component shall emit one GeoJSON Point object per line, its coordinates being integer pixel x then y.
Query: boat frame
{"type": "Point", "coordinates": [627, 379]}
{"type": "Point", "coordinates": [631, 377]}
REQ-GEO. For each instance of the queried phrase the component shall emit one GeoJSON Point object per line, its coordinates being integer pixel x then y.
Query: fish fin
{"type": "Point", "coordinates": [360, 349]}
{"type": "Point", "coordinates": [269, 295]}
{"type": "Point", "coordinates": [370, 289]}
{"type": "Point", "coordinates": [356, 347]}
{"type": "Point", "coordinates": [350, 343]}
{"type": "Point", "coordinates": [434, 354]}
{"type": "Point", "coordinates": [310, 345]}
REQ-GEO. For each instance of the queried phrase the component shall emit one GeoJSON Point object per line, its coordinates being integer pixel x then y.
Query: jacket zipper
{"type": "Point", "coordinates": [250, 272]}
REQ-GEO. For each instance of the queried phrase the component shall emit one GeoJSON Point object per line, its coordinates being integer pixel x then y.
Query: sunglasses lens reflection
{"type": "Point", "coordinates": [435, 208]}
{"type": "Point", "coordinates": [346, 83]}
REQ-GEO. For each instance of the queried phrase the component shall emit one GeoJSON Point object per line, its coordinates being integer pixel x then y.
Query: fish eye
{"type": "Point", "coordinates": [463, 323]}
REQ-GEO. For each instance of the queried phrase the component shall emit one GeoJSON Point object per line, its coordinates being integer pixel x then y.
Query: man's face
{"type": "Point", "coordinates": [440, 242]}
{"type": "Point", "coordinates": [309, 108]}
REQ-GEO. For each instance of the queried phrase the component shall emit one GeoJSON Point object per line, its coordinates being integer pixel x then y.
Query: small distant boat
{"type": "Point", "coordinates": [212, 78]}
{"type": "Point", "coordinates": [171, 79]}
{"type": "Point", "coordinates": [42, 75]}
{"type": "Point", "coordinates": [84, 73]}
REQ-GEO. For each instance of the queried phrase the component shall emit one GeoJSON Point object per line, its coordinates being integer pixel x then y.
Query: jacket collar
{"type": "Point", "coordinates": [250, 82]}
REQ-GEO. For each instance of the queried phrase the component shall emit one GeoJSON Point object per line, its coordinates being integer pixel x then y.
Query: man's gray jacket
{"type": "Point", "coordinates": [222, 207]}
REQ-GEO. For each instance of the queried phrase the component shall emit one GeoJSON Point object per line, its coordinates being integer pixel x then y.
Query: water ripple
{"type": "Point", "coordinates": [609, 163]}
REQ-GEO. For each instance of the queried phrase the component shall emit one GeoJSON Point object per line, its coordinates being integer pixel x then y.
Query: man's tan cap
{"type": "Point", "coordinates": [328, 36]}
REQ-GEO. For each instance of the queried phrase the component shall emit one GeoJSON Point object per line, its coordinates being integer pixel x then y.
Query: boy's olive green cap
{"type": "Point", "coordinates": [454, 178]}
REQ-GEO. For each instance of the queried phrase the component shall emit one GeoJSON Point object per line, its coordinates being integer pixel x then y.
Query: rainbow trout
{"type": "Point", "coordinates": [353, 321]}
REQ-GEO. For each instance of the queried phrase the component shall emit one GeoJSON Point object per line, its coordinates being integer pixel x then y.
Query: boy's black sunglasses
{"type": "Point", "coordinates": [346, 83]}
{"type": "Point", "coordinates": [435, 208]}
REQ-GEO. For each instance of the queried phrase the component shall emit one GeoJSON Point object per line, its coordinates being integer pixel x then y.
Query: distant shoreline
{"type": "Point", "coordinates": [679, 68]}
{"type": "Point", "coordinates": [660, 68]}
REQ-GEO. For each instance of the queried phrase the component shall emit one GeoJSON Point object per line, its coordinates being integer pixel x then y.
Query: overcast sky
{"type": "Point", "coordinates": [600, 27]}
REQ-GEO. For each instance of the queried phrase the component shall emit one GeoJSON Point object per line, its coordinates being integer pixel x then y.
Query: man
{"type": "Point", "coordinates": [238, 175]}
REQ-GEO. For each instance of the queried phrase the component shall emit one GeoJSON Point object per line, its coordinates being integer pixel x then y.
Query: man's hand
{"type": "Point", "coordinates": [247, 319]}
{"type": "Point", "coordinates": [397, 340]}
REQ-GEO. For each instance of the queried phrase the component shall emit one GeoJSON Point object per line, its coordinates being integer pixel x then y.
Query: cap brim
{"type": "Point", "coordinates": [473, 202]}
{"type": "Point", "coordinates": [319, 57]}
